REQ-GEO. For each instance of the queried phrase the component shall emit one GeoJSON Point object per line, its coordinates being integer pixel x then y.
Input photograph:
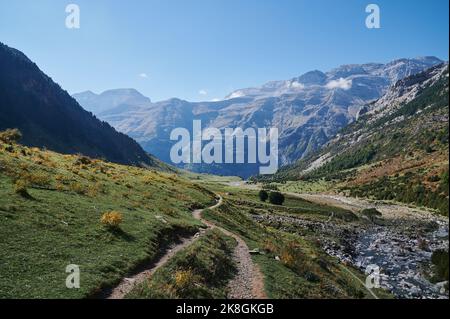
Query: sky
{"type": "Point", "coordinates": [202, 50]}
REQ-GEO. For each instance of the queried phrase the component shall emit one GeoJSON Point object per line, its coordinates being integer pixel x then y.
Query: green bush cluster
{"type": "Point", "coordinates": [263, 195]}
{"type": "Point", "coordinates": [441, 265]}
{"type": "Point", "coordinates": [276, 198]}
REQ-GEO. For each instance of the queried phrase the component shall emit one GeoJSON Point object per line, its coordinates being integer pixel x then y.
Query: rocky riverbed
{"type": "Point", "coordinates": [402, 258]}
{"type": "Point", "coordinates": [401, 249]}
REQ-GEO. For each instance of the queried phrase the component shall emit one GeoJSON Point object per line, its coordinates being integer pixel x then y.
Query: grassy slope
{"type": "Point", "coordinates": [58, 222]}
{"type": "Point", "coordinates": [202, 270]}
{"type": "Point", "coordinates": [304, 271]}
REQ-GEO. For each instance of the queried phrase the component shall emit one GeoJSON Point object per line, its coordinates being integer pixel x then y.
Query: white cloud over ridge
{"type": "Point", "coordinates": [235, 95]}
{"type": "Point", "coordinates": [342, 83]}
{"type": "Point", "coordinates": [297, 85]}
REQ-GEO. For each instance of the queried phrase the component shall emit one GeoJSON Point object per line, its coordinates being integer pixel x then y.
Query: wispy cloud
{"type": "Point", "coordinates": [342, 83]}
{"type": "Point", "coordinates": [203, 92]}
{"type": "Point", "coordinates": [143, 75]}
{"type": "Point", "coordinates": [235, 95]}
{"type": "Point", "coordinates": [297, 85]}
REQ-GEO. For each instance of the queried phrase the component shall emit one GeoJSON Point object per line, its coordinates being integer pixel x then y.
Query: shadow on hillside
{"type": "Point", "coordinates": [119, 233]}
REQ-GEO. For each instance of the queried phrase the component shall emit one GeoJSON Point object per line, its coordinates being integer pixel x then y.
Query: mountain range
{"type": "Point", "coordinates": [396, 149]}
{"type": "Point", "coordinates": [49, 117]}
{"type": "Point", "coordinates": [307, 110]}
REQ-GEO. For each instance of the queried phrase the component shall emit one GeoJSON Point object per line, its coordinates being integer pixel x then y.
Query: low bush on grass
{"type": "Point", "coordinates": [263, 195]}
{"type": "Point", "coordinates": [112, 219]}
{"type": "Point", "coordinates": [441, 265]}
{"type": "Point", "coordinates": [78, 188]}
{"type": "Point", "coordinates": [21, 188]}
{"type": "Point", "coordinates": [276, 198]}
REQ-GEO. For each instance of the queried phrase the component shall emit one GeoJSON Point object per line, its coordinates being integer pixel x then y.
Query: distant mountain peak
{"type": "Point", "coordinates": [112, 99]}
{"type": "Point", "coordinates": [314, 77]}
{"type": "Point", "coordinates": [120, 91]}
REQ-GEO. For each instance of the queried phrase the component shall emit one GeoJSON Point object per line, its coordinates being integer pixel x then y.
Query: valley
{"type": "Point", "coordinates": [363, 193]}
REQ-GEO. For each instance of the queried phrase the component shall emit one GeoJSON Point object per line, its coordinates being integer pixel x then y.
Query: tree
{"type": "Point", "coordinates": [276, 198]}
{"type": "Point", "coordinates": [263, 195]}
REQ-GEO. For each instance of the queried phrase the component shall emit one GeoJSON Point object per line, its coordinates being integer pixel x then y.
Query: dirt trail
{"type": "Point", "coordinates": [248, 283]}
{"type": "Point", "coordinates": [128, 283]}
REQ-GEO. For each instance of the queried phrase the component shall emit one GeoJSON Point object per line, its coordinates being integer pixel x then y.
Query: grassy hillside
{"type": "Point", "coordinates": [50, 211]}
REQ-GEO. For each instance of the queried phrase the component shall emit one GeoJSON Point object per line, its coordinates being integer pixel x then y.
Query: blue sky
{"type": "Point", "coordinates": [191, 47]}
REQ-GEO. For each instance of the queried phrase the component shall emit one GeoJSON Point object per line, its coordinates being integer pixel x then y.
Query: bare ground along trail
{"type": "Point", "coordinates": [248, 282]}
{"type": "Point", "coordinates": [390, 210]}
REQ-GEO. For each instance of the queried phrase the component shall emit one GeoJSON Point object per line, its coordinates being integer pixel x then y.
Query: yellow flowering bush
{"type": "Point", "coordinates": [184, 279]}
{"type": "Point", "coordinates": [112, 219]}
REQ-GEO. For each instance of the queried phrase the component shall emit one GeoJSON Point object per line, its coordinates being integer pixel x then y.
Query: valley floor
{"type": "Point", "coordinates": [168, 245]}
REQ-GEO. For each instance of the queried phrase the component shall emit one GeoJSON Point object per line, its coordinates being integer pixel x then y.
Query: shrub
{"type": "Point", "coordinates": [276, 198]}
{"type": "Point", "coordinates": [94, 190]}
{"type": "Point", "coordinates": [441, 264]}
{"type": "Point", "coordinates": [184, 279]}
{"type": "Point", "coordinates": [270, 247]}
{"type": "Point", "coordinates": [20, 187]}
{"type": "Point", "coordinates": [287, 258]}
{"type": "Point", "coordinates": [263, 195]}
{"type": "Point", "coordinates": [292, 257]}
{"type": "Point", "coordinates": [38, 179]}
{"type": "Point", "coordinates": [112, 219]}
{"type": "Point", "coordinates": [78, 188]}
{"type": "Point", "coordinates": [83, 160]}
{"type": "Point", "coordinates": [10, 136]}
{"type": "Point", "coordinates": [434, 179]}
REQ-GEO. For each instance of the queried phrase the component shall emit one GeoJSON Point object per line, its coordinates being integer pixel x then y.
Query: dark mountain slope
{"type": "Point", "coordinates": [49, 117]}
